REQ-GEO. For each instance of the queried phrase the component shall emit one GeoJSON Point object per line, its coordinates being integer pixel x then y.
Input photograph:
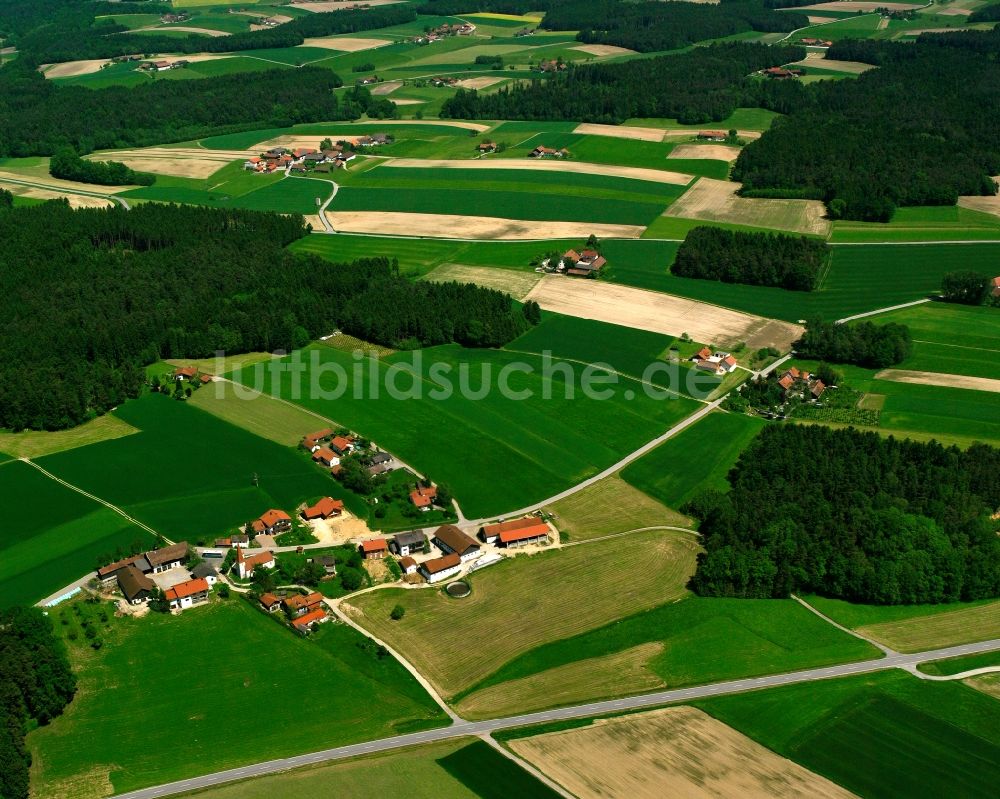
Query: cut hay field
{"type": "Point", "coordinates": [186, 464]}
{"type": "Point", "coordinates": [884, 736]}
{"type": "Point", "coordinates": [696, 460]}
{"type": "Point", "coordinates": [542, 444]}
{"type": "Point", "coordinates": [608, 507]}
{"type": "Point", "coordinates": [678, 751]}
{"type": "Point", "coordinates": [206, 667]}
{"type": "Point", "coordinates": [53, 536]}
{"type": "Point", "coordinates": [958, 665]}
{"type": "Point", "coordinates": [691, 642]}
{"type": "Point", "coordinates": [914, 628]}
{"type": "Point", "coordinates": [512, 281]}
{"type": "Point", "coordinates": [454, 642]}
{"type": "Point", "coordinates": [35, 443]}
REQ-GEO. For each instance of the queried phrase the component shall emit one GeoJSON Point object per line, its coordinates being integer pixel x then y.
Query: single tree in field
{"type": "Point", "coordinates": [397, 613]}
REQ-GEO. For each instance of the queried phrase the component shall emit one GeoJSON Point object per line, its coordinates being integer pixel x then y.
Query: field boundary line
{"type": "Point", "coordinates": [524, 764]}
{"type": "Point", "coordinates": [887, 309]}
{"type": "Point", "coordinates": [887, 650]}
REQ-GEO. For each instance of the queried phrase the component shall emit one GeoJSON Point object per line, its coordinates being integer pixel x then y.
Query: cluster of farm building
{"type": "Point", "coordinates": [307, 159]}
{"type": "Point", "coordinates": [443, 32]}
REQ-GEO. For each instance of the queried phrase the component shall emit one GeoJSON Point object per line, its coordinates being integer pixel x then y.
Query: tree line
{"type": "Point", "coordinates": [967, 287]}
{"type": "Point", "coordinates": [89, 297]}
{"type": "Point", "coordinates": [760, 259]}
{"type": "Point", "coordinates": [704, 85]}
{"type": "Point", "coordinates": [862, 343]}
{"type": "Point", "coordinates": [39, 117]}
{"type": "Point", "coordinates": [855, 516]}
{"type": "Point", "coordinates": [37, 683]}
{"type": "Point", "coordinates": [67, 165]}
{"type": "Point", "coordinates": [18, 17]}
{"type": "Point", "coordinates": [450, 8]}
{"type": "Point", "coordinates": [990, 13]}
{"type": "Point", "coordinates": [922, 129]}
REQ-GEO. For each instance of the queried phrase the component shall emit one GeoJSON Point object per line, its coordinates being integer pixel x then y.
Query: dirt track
{"type": "Point", "coordinates": [538, 165]}
{"type": "Point", "coordinates": [660, 313]}
{"type": "Point", "coordinates": [447, 226]}
{"type": "Point", "coordinates": [936, 379]}
{"type": "Point", "coordinates": [386, 88]}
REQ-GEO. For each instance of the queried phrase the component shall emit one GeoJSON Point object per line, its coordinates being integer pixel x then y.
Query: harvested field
{"type": "Point", "coordinates": [407, 101]}
{"type": "Point", "coordinates": [718, 152]}
{"type": "Point", "coordinates": [315, 221]}
{"type": "Point", "coordinates": [953, 12]}
{"type": "Point", "coordinates": [661, 313]}
{"type": "Point", "coordinates": [716, 201]}
{"type": "Point", "coordinates": [337, 5]}
{"type": "Point", "coordinates": [936, 379]}
{"type": "Point", "coordinates": [36, 443]}
{"type": "Point", "coordinates": [452, 123]}
{"type": "Point", "coordinates": [448, 226]}
{"type": "Point", "coordinates": [603, 49]}
{"type": "Point", "coordinates": [183, 29]}
{"type": "Point", "coordinates": [75, 200]}
{"type": "Point", "coordinates": [820, 20]}
{"type": "Point", "coordinates": [977, 623]}
{"type": "Point", "coordinates": [346, 44]}
{"type": "Point", "coordinates": [987, 205]}
{"type": "Point", "coordinates": [386, 88]}
{"type": "Point", "coordinates": [856, 5]}
{"type": "Point", "coordinates": [515, 282]}
{"type": "Point", "coordinates": [621, 131]}
{"type": "Point", "coordinates": [988, 684]}
{"type": "Point", "coordinates": [181, 167]}
{"type": "Point", "coordinates": [678, 751]}
{"type": "Point", "coordinates": [538, 165]}
{"type": "Point", "coordinates": [583, 681]}
{"type": "Point", "coordinates": [479, 83]}
{"type": "Point", "coordinates": [71, 69]}
{"type": "Point", "coordinates": [743, 134]}
{"type": "Point", "coordinates": [819, 62]}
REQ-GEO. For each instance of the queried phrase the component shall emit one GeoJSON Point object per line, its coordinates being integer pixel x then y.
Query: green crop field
{"type": "Point", "coordinates": [855, 27]}
{"type": "Point", "coordinates": [541, 443]}
{"type": "Point", "coordinates": [881, 736]}
{"type": "Point", "coordinates": [695, 460]}
{"type": "Point", "coordinates": [293, 195]}
{"type": "Point", "coordinates": [188, 474]}
{"type": "Point", "coordinates": [962, 664]}
{"type": "Point", "coordinates": [491, 775]}
{"type": "Point", "coordinates": [925, 223]}
{"type": "Point", "coordinates": [741, 119]}
{"type": "Point", "coordinates": [686, 639]}
{"type": "Point", "coordinates": [54, 535]}
{"type": "Point", "coordinates": [182, 683]}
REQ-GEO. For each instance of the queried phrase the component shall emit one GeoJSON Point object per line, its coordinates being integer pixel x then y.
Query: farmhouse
{"type": "Point", "coordinates": [996, 286]}
{"type": "Point", "coordinates": [583, 264]}
{"type": "Point", "coordinates": [326, 457]}
{"type": "Point", "coordinates": [799, 382]}
{"type": "Point", "coordinates": [188, 594]}
{"type": "Point", "coordinates": [270, 602]}
{"type": "Point", "coordinates": [305, 624]}
{"type": "Point", "coordinates": [234, 541]}
{"type": "Point", "coordinates": [167, 19]}
{"type": "Point", "coordinates": [423, 498]}
{"type": "Point", "coordinates": [438, 569]}
{"type": "Point", "coordinates": [813, 42]}
{"type": "Point", "coordinates": [313, 441]}
{"type": "Point", "coordinates": [299, 605]}
{"type": "Point", "coordinates": [443, 81]}
{"type": "Point", "coordinates": [324, 509]}
{"type": "Point", "coordinates": [374, 548]}
{"type": "Point", "coordinates": [328, 562]}
{"type": "Point", "coordinates": [134, 585]}
{"type": "Point", "coordinates": [712, 135]}
{"type": "Point", "coordinates": [341, 444]}
{"type": "Point", "coordinates": [182, 373]}
{"type": "Point", "coordinates": [271, 522]}
{"type": "Point", "coordinates": [716, 363]}
{"type": "Point", "coordinates": [408, 565]}
{"type": "Point", "coordinates": [408, 543]}
{"type": "Point", "coordinates": [516, 533]}
{"type": "Point", "coordinates": [450, 540]}
{"type": "Point", "coordinates": [542, 151]}
{"type": "Point", "coordinates": [380, 463]}
{"type": "Point", "coordinates": [367, 81]}
{"type": "Point", "coordinates": [488, 147]}
{"type": "Point", "coordinates": [245, 564]}
{"type": "Point", "coordinates": [551, 65]}
{"type": "Point", "coordinates": [780, 73]}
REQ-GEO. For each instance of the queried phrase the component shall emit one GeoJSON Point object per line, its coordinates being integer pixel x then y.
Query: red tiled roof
{"type": "Point", "coordinates": [340, 442]}
{"type": "Point", "coordinates": [704, 352]}
{"type": "Point", "coordinates": [185, 371]}
{"type": "Point", "coordinates": [435, 565]}
{"type": "Point", "coordinates": [311, 617]}
{"type": "Point", "coordinates": [517, 529]}
{"type": "Point", "coordinates": [424, 497]}
{"type": "Point", "coordinates": [267, 600]}
{"type": "Point", "coordinates": [187, 589]}
{"type": "Point", "coordinates": [374, 545]}
{"type": "Point", "coordinates": [729, 360]}
{"type": "Point", "coordinates": [786, 382]}
{"type": "Point", "coordinates": [325, 454]}
{"type": "Point", "coordinates": [111, 568]}
{"type": "Point", "coordinates": [328, 506]}
{"type": "Point", "coordinates": [407, 562]}
{"type": "Point", "coordinates": [299, 601]}
{"type": "Point", "coordinates": [324, 433]}
{"type": "Point", "coordinates": [273, 516]}
{"type": "Point", "coordinates": [254, 560]}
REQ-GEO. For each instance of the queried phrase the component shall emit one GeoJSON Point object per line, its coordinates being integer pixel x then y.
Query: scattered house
{"type": "Point", "coordinates": [716, 363]}
{"type": "Point", "coordinates": [207, 572]}
{"type": "Point", "coordinates": [801, 382]}
{"type": "Point", "coordinates": [329, 564]}
{"type": "Point", "coordinates": [134, 585]}
{"type": "Point", "coordinates": [995, 284]}
{"type": "Point", "coordinates": [408, 565]}
{"type": "Point", "coordinates": [341, 445]}
{"type": "Point", "coordinates": [488, 147]}
{"type": "Point", "coordinates": [188, 594]}
{"type": "Point", "coordinates": [712, 135]}
{"type": "Point", "coordinates": [438, 569]}
{"type": "Point", "coordinates": [324, 509]}
{"type": "Point", "coordinates": [367, 81]}
{"type": "Point", "coordinates": [516, 533]}
{"type": "Point", "coordinates": [271, 522]}
{"type": "Point", "coordinates": [780, 73]}
{"type": "Point", "coordinates": [305, 624]}
{"type": "Point", "coordinates": [423, 498]}
{"type": "Point", "coordinates": [523, 32]}
{"type": "Point", "coordinates": [168, 19]}
{"type": "Point", "coordinates": [374, 548]}
{"type": "Point", "coordinates": [270, 602]}
{"type": "Point", "coordinates": [443, 81]}
{"type": "Point", "coordinates": [182, 373]}
{"type": "Point", "coordinates": [299, 605]}
{"type": "Point", "coordinates": [465, 29]}
{"type": "Point", "coordinates": [409, 543]}
{"type": "Point", "coordinates": [326, 457]}
{"type": "Point", "coordinates": [245, 564]}
{"type": "Point", "coordinates": [813, 42]}
{"type": "Point", "coordinates": [450, 540]}
{"type": "Point", "coordinates": [379, 463]}
{"type": "Point", "coordinates": [374, 140]}
{"type": "Point", "coordinates": [817, 388]}
{"type": "Point", "coordinates": [345, 156]}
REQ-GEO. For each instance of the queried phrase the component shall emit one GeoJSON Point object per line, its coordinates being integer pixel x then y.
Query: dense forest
{"type": "Point", "coordinates": [448, 8]}
{"type": "Point", "coordinates": [651, 25]}
{"type": "Point", "coordinates": [67, 165]}
{"type": "Point", "coordinates": [37, 685]}
{"type": "Point", "coordinates": [922, 129]}
{"type": "Point", "coordinates": [853, 515]}
{"type": "Point", "coordinates": [38, 117]}
{"type": "Point", "coordinates": [760, 259]}
{"type": "Point", "coordinates": [706, 84]}
{"type": "Point", "coordinates": [88, 297]}
{"type": "Point", "coordinates": [990, 13]}
{"type": "Point", "coordinates": [18, 17]}
{"type": "Point", "coordinates": [861, 343]}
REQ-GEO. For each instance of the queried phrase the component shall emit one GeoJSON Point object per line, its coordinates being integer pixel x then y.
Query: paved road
{"type": "Point", "coordinates": [884, 310]}
{"type": "Point", "coordinates": [580, 711]}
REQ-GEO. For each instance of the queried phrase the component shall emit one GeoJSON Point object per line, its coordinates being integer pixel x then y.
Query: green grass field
{"type": "Point", "coordinates": [741, 119]}
{"type": "Point", "coordinates": [35, 443]}
{"type": "Point", "coordinates": [697, 459]}
{"type": "Point", "coordinates": [881, 736]}
{"type": "Point", "coordinates": [541, 443]}
{"type": "Point", "coordinates": [930, 223]}
{"type": "Point", "coordinates": [55, 535]}
{"type": "Point", "coordinates": [202, 673]}
{"type": "Point", "coordinates": [188, 474]}
{"type": "Point", "coordinates": [293, 195]}
{"type": "Point", "coordinates": [959, 665]}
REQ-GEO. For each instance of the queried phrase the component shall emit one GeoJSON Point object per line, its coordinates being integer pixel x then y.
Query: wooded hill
{"type": "Point", "coordinates": [88, 297]}
{"type": "Point", "coordinates": [853, 515]}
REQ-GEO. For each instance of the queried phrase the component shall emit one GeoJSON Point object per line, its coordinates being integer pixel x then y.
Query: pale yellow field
{"type": "Point", "coordinates": [936, 379]}
{"type": "Point", "coordinates": [611, 506]}
{"type": "Point", "coordinates": [987, 205]}
{"type": "Point", "coordinates": [857, 5]}
{"type": "Point", "coordinates": [63, 185]}
{"type": "Point", "coordinates": [602, 49]}
{"type": "Point", "coordinates": [386, 88]}
{"type": "Point", "coordinates": [70, 69]}
{"type": "Point", "coordinates": [539, 165]}
{"type": "Point", "coordinates": [513, 281]}
{"type": "Point", "coordinates": [184, 29]}
{"type": "Point", "coordinates": [988, 684]}
{"type": "Point", "coordinates": [448, 226]}
{"type": "Point", "coordinates": [716, 201]}
{"type": "Point", "coordinates": [74, 200]}
{"type": "Point", "coordinates": [346, 44]}
{"type": "Point", "coordinates": [479, 83]}
{"type": "Point", "coordinates": [527, 601]}
{"type": "Point", "coordinates": [660, 313]}
{"type": "Point", "coordinates": [717, 152]}
{"type": "Point", "coordinates": [817, 60]}
{"type": "Point", "coordinates": [589, 680]}
{"type": "Point", "coordinates": [36, 443]}
{"type": "Point", "coordinates": [674, 752]}
{"type": "Point", "coordinates": [336, 5]}
{"type": "Point", "coordinates": [949, 628]}
{"type": "Point", "coordinates": [407, 101]}
{"type": "Point", "coordinates": [621, 131]}
{"type": "Point", "coordinates": [819, 20]}
{"type": "Point", "coordinates": [223, 364]}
